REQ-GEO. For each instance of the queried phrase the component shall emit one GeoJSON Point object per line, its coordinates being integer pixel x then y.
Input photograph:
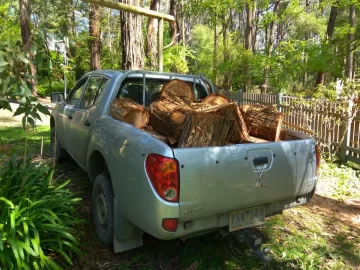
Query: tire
{"type": "Point", "coordinates": [103, 209]}
{"type": "Point", "coordinates": [57, 152]}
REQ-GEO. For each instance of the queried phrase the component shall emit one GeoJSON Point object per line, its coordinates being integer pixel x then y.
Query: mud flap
{"type": "Point", "coordinates": [126, 235]}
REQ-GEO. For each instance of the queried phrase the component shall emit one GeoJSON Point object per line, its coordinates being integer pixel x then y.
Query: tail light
{"type": "Point", "coordinates": [317, 153]}
{"type": "Point", "coordinates": [163, 173]}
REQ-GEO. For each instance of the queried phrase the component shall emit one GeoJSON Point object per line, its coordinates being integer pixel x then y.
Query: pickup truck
{"type": "Point", "coordinates": [141, 184]}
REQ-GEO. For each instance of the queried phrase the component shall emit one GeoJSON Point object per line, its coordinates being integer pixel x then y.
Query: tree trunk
{"type": "Point", "coordinates": [26, 39]}
{"type": "Point", "coordinates": [173, 25]}
{"type": "Point", "coordinates": [131, 38]}
{"type": "Point", "coordinates": [178, 92]}
{"type": "Point", "coordinates": [320, 78]}
{"type": "Point", "coordinates": [249, 31]}
{"type": "Point", "coordinates": [226, 55]}
{"type": "Point", "coordinates": [152, 30]}
{"type": "Point", "coordinates": [269, 48]}
{"type": "Point", "coordinates": [350, 52]}
{"type": "Point", "coordinates": [94, 31]}
{"type": "Point", "coordinates": [215, 53]}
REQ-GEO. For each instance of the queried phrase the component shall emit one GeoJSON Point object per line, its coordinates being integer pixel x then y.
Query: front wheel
{"type": "Point", "coordinates": [57, 152]}
{"type": "Point", "coordinates": [103, 209]}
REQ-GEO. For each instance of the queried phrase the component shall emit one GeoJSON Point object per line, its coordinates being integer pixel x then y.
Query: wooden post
{"type": "Point", "coordinates": [345, 131]}
{"type": "Point", "coordinates": [279, 97]}
{"type": "Point", "coordinates": [161, 44]}
{"type": "Point", "coordinates": [132, 9]}
{"type": "Point", "coordinates": [240, 97]}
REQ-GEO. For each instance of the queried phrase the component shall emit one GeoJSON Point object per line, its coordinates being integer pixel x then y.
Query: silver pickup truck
{"type": "Point", "coordinates": [141, 184]}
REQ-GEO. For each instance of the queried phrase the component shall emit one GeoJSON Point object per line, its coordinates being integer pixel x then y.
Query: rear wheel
{"type": "Point", "coordinates": [103, 209]}
{"type": "Point", "coordinates": [57, 152]}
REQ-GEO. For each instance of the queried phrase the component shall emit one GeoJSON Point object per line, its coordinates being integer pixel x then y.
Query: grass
{"type": "Point", "coordinates": [320, 235]}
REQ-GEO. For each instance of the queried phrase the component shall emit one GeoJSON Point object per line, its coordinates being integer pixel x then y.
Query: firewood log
{"type": "Point", "coordinates": [204, 129]}
{"type": "Point", "coordinates": [155, 134]}
{"type": "Point", "coordinates": [238, 132]}
{"type": "Point", "coordinates": [168, 118]}
{"type": "Point", "coordinates": [216, 99]}
{"type": "Point", "coordinates": [178, 92]}
{"type": "Point", "coordinates": [263, 122]}
{"type": "Point", "coordinates": [254, 140]}
{"type": "Point", "coordinates": [127, 110]}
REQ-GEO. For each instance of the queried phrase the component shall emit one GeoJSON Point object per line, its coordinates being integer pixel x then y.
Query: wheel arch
{"type": "Point", "coordinates": [97, 165]}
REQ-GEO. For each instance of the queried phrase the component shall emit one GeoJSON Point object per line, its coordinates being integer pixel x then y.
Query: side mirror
{"type": "Point", "coordinates": [57, 97]}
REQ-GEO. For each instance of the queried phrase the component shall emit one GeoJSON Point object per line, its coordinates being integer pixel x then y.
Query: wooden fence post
{"type": "Point", "coordinates": [345, 131]}
{"type": "Point", "coordinates": [240, 97]}
{"type": "Point", "coordinates": [279, 97]}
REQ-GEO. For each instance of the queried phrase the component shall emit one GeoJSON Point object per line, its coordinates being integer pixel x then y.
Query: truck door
{"type": "Point", "coordinates": [83, 119]}
{"type": "Point", "coordinates": [66, 111]}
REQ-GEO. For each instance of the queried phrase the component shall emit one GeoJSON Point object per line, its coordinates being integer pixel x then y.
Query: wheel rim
{"type": "Point", "coordinates": [102, 212]}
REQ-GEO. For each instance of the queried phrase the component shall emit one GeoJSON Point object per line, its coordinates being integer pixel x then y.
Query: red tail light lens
{"type": "Point", "coordinates": [317, 153]}
{"type": "Point", "coordinates": [164, 176]}
{"type": "Point", "coordinates": [170, 224]}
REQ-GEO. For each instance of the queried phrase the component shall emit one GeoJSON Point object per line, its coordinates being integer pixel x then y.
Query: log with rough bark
{"type": "Point", "coordinates": [238, 132]}
{"type": "Point", "coordinates": [168, 118]}
{"type": "Point", "coordinates": [263, 122]}
{"type": "Point", "coordinates": [216, 99]}
{"type": "Point", "coordinates": [204, 129]}
{"type": "Point", "coordinates": [155, 134]}
{"type": "Point", "coordinates": [127, 110]}
{"type": "Point", "coordinates": [178, 92]}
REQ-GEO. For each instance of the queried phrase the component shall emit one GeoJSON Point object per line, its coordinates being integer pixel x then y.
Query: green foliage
{"type": "Point", "coordinates": [15, 78]}
{"type": "Point", "coordinates": [203, 47]}
{"type": "Point", "coordinates": [37, 217]}
{"type": "Point", "coordinates": [175, 59]}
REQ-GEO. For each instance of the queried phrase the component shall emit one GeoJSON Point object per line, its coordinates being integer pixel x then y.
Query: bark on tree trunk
{"type": "Point", "coordinates": [152, 30]}
{"type": "Point", "coordinates": [350, 52]}
{"type": "Point", "coordinates": [94, 31]}
{"type": "Point", "coordinates": [215, 53]}
{"type": "Point", "coordinates": [320, 78]}
{"type": "Point", "coordinates": [173, 25]}
{"type": "Point", "coordinates": [132, 38]}
{"type": "Point", "coordinates": [249, 39]}
{"type": "Point", "coordinates": [269, 49]}
{"type": "Point", "coordinates": [26, 39]}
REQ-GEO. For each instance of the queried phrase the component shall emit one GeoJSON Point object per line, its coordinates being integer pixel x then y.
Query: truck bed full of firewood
{"type": "Point", "coordinates": [176, 120]}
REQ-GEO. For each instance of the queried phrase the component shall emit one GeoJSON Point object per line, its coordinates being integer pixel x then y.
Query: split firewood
{"type": "Point", "coordinates": [238, 132]}
{"type": "Point", "coordinates": [155, 134]}
{"type": "Point", "coordinates": [178, 92]}
{"type": "Point", "coordinates": [168, 118]}
{"type": "Point", "coordinates": [204, 129]}
{"type": "Point", "coordinates": [127, 110]}
{"type": "Point", "coordinates": [254, 140]}
{"type": "Point", "coordinates": [263, 122]}
{"type": "Point", "coordinates": [216, 99]}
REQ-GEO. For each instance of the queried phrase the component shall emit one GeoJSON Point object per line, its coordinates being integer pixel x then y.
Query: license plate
{"type": "Point", "coordinates": [247, 218]}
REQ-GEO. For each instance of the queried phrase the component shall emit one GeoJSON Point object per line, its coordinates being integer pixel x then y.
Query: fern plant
{"type": "Point", "coordinates": [37, 218]}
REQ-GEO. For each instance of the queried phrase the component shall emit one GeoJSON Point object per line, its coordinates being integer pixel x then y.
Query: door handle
{"type": "Point", "coordinates": [70, 116]}
{"type": "Point", "coordinates": [260, 161]}
{"type": "Point", "coordinates": [87, 123]}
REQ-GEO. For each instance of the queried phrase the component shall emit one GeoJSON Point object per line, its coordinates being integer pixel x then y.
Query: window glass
{"type": "Point", "coordinates": [75, 96]}
{"type": "Point", "coordinates": [133, 88]}
{"type": "Point", "coordinates": [91, 91]}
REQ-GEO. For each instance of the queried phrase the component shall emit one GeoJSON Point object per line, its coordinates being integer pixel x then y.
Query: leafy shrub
{"type": "Point", "coordinates": [37, 218]}
{"type": "Point", "coordinates": [46, 88]}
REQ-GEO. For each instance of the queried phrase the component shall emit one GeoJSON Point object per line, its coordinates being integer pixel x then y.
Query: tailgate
{"type": "Point", "coordinates": [215, 180]}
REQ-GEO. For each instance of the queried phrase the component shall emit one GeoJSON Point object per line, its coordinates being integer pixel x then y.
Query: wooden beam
{"type": "Point", "coordinates": [133, 9]}
{"type": "Point", "coordinates": [160, 44]}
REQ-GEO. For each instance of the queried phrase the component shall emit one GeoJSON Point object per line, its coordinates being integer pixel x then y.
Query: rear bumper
{"type": "Point", "coordinates": [216, 222]}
